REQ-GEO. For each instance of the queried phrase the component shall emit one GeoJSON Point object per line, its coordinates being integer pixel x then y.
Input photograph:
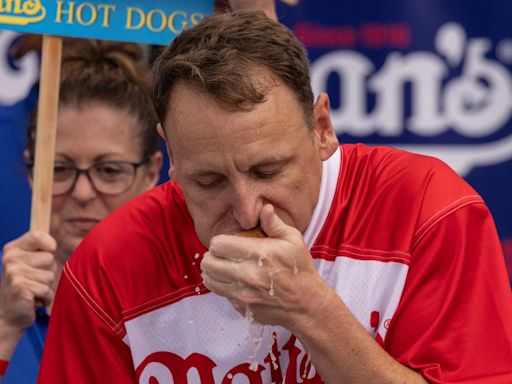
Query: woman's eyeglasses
{"type": "Point", "coordinates": [108, 178]}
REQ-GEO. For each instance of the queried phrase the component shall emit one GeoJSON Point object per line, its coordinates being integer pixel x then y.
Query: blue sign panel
{"type": "Point", "coordinates": [433, 77]}
{"type": "Point", "coordinates": [140, 21]}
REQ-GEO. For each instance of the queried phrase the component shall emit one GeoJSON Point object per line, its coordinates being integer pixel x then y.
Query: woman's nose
{"type": "Point", "coordinates": [83, 189]}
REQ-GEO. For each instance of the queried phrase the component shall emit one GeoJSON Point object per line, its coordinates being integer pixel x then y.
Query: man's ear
{"type": "Point", "coordinates": [153, 168]}
{"type": "Point", "coordinates": [324, 131]}
{"type": "Point", "coordinates": [28, 159]}
{"type": "Point", "coordinates": [163, 135]}
{"type": "Point", "coordinates": [161, 131]}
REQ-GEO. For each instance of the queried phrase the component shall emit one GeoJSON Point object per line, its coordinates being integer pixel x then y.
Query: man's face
{"type": "Point", "coordinates": [230, 163]}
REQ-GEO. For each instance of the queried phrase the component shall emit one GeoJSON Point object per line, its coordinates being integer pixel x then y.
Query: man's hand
{"type": "Point", "coordinates": [275, 279]}
{"type": "Point", "coordinates": [271, 275]}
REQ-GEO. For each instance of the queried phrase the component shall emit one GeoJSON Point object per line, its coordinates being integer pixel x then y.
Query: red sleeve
{"type": "Point", "coordinates": [83, 345]}
{"type": "Point", "coordinates": [454, 321]}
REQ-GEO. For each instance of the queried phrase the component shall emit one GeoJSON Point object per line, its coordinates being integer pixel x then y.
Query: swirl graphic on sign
{"type": "Point", "coordinates": [16, 77]}
{"type": "Point", "coordinates": [28, 12]}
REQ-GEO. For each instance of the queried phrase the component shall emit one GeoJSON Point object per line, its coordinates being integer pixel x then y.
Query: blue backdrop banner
{"type": "Point", "coordinates": [432, 77]}
{"type": "Point", "coordinates": [17, 99]}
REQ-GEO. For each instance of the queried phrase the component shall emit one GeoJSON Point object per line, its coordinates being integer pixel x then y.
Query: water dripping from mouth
{"type": "Point", "coordinates": [260, 261]}
{"type": "Point", "coordinates": [271, 291]}
{"type": "Point", "coordinates": [308, 361]}
{"type": "Point", "coordinates": [273, 357]}
{"type": "Point", "coordinates": [255, 337]}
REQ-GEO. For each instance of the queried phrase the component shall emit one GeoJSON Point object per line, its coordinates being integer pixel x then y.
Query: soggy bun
{"type": "Point", "coordinates": [255, 232]}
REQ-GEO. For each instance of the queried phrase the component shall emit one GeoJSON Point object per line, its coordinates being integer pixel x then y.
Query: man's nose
{"type": "Point", "coordinates": [247, 204]}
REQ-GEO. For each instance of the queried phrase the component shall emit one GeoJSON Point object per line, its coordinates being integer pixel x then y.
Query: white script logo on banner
{"type": "Point", "coordinates": [15, 82]}
{"type": "Point", "coordinates": [476, 104]}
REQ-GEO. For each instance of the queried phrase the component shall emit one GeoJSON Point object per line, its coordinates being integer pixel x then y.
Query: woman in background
{"type": "Point", "coordinates": [107, 152]}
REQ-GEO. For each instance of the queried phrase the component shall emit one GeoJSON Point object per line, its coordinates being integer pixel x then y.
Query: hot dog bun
{"type": "Point", "coordinates": [255, 232]}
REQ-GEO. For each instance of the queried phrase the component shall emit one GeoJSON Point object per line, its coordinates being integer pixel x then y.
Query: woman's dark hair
{"type": "Point", "coordinates": [108, 73]}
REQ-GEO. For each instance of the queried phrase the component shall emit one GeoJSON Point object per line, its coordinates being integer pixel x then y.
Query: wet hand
{"type": "Point", "coordinates": [271, 275]}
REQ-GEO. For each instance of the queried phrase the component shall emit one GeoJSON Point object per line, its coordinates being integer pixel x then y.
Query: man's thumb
{"type": "Point", "coordinates": [272, 225]}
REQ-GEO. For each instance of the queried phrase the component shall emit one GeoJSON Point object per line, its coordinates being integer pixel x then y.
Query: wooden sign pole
{"type": "Point", "coordinates": [46, 133]}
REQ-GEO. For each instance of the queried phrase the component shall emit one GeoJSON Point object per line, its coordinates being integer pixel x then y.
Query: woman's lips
{"type": "Point", "coordinates": [83, 224]}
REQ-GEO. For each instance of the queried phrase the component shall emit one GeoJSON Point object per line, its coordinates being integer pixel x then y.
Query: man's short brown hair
{"type": "Point", "coordinates": [222, 55]}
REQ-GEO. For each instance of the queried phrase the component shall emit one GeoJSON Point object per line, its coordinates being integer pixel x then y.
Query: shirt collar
{"type": "Point", "coordinates": [330, 172]}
